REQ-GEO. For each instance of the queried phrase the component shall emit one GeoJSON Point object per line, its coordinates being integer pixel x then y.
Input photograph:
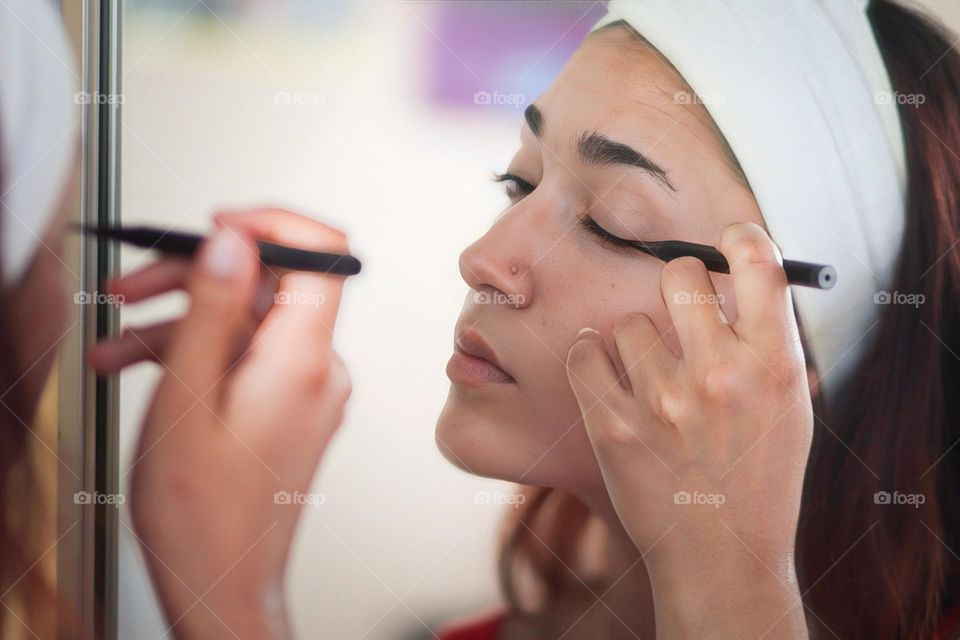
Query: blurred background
{"type": "Point", "coordinates": [386, 119]}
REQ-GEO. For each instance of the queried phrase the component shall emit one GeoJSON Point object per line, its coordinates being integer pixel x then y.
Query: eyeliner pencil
{"type": "Point", "coordinates": [178, 243]}
{"type": "Point", "coordinates": [805, 274]}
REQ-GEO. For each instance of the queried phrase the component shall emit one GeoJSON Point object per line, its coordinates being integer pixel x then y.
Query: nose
{"type": "Point", "coordinates": [498, 267]}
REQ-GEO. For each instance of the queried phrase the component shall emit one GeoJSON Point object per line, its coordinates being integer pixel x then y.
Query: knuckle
{"type": "Point", "coordinates": [312, 376]}
{"type": "Point", "coordinates": [614, 431]}
{"type": "Point", "coordinates": [721, 383]}
{"type": "Point", "coordinates": [674, 408]}
{"type": "Point", "coordinates": [753, 246]}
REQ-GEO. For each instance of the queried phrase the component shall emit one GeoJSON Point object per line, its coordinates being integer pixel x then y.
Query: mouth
{"type": "Point", "coordinates": [474, 363]}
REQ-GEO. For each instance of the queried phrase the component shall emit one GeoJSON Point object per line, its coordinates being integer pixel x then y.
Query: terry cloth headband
{"type": "Point", "coordinates": [38, 115]}
{"type": "Point", "coordinates": [801, 93]}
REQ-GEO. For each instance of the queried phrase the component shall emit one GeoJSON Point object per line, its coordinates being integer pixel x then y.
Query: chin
{"type": "Point", "coordinates": [497, 439]}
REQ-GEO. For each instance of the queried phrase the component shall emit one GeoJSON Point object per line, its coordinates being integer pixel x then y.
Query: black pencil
{"type": "Point", "coordinates": [805, 274]}
{"type": "Point", "coordinates": [186, 244]}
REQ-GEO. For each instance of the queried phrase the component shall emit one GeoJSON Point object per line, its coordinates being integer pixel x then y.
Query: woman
{"type": "Point", "coordinates": [714, 399]}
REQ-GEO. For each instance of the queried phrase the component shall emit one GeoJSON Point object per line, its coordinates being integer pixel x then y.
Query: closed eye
{"type": "Point", "coordinates": [605, 236]}
{"type": "Point", "coordinates": [515, 187]}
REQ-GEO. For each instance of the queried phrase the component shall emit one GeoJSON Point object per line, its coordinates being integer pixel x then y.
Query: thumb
{"type": "Point", "coordinates": [222, 284]}
{"type": "Point", "coordinates": [593, 378]}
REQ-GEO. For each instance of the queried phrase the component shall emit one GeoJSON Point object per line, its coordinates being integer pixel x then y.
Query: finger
{"type": "Point", "coordinates": [646, 359]}
{"type": "Point", "coordinates": [159, 277]}
{"type": "Point", "coordinates": [222, 284]}
{"type": "Point", "coordinates": [764, 305]}
{"type": "Point", "coordinates": [135, 344]}
{"type": "Point", "coordinates": [299, 327]}
{"type": "Point", "coordinates": [593, 378]}
{"type": "Point", "coordinates": [694, 306]}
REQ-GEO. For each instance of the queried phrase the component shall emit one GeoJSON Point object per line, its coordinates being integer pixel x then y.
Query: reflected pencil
{"type": "Point", "coordinates": [179, 243]}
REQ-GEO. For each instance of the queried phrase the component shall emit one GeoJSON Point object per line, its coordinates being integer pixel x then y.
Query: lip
{"type": "Point", "coordinates": [474, 362]}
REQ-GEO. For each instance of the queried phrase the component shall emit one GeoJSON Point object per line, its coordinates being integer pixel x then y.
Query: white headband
{"type": "Point", "coordinates": [37, 126]}
{"type": "Point", "coordinates": [801, 93]}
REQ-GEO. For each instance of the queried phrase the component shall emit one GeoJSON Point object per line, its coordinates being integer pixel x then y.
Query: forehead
{"type": "Point", "coordinates": [617, 84]}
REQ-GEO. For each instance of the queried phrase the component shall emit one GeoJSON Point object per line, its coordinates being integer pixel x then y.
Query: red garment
{"type": "Point", "coordinates": [481, 627]}
{"type": "Point", "coordinates": [487, 627]}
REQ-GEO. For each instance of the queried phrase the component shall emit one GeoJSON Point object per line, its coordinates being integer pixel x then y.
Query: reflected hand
{"type": "Point", "coordinates": [245, 409]}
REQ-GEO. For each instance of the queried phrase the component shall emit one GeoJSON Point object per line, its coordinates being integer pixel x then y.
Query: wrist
{"type": "Point", "coordinates": [227, 611]}
{"type": "Point", "coordinates": [728, 593]}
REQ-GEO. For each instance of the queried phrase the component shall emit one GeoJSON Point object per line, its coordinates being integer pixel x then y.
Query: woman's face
{"type": "Point", "coordinates": [614, 143]}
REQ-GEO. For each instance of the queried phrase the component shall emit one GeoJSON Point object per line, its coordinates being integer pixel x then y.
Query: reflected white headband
{"type": "Point", "coordinates": [37, 126]}
{"type": "Point", "coordinates": [801, 93]}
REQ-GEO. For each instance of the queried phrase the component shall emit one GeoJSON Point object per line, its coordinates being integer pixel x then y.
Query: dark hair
{"type": "Point", "coordinates": [867, 569]}
{"type": "Point", "coordinates": [873, 569]}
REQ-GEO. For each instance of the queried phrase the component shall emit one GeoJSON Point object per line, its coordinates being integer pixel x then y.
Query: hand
{"type": "Point", "coordinates": [247, 405]}
{"type": "Point", "coordinates": [703, 456]}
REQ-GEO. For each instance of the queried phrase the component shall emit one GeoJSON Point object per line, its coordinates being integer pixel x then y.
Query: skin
{"type": "Point", "coordinates": [659, 396]}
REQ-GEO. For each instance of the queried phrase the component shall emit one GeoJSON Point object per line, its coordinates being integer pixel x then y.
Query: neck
{"type": "Point", "coordinates": [629, 598]}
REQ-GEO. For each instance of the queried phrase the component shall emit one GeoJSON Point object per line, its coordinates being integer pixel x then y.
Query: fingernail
{"type": "Point", "coordinates": [585, 331]}
{"type": "Point", "coordinates": [222, 256]}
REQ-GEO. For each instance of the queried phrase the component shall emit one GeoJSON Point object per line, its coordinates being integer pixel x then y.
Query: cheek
{"type": "Point", "coordinates": [597, 296]}
{"type": "Point", "coordinates": [602, 295]}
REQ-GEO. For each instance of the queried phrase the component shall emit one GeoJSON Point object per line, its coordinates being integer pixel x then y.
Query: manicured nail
{"type": "Point", "coordinates": [585, 331]}
{"type": "Point", "coordinates": [223, 255]}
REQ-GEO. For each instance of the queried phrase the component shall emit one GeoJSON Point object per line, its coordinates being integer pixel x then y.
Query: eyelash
{"type": "Point", "coordinates": [521, 188]}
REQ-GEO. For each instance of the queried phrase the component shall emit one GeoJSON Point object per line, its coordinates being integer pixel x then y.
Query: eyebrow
{"type": "Point", "coordinates": [597, 149]}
